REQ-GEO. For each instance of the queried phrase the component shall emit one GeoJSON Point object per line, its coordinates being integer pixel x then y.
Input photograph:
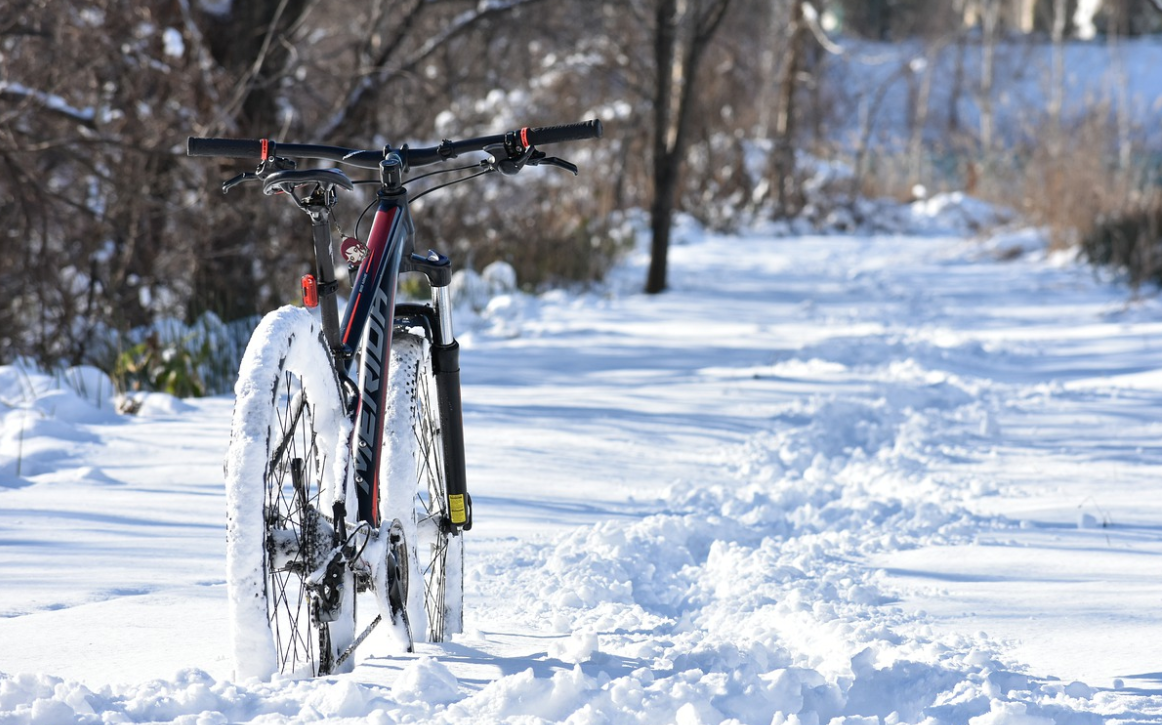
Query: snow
{"type": "Point", "coordinates": [220, 8]}
{"type": "Point", "coordinates": [286, 351]}
{"type": "Point", "coordinates": [824, 479]}
{"type": "Point", "coordinates": [174, 45]}
{"type": "Point", "coordinates": [1101, 77]}
{"type": "Point", "coordinates": [48, 100]}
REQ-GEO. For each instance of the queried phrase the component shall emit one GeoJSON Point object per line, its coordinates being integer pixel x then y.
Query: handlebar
{"type": "Point", "coordinates": [264, 149]}
{"type": "Point", "coordinates": [566, 132]}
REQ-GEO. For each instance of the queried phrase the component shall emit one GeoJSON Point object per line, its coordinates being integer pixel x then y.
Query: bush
{"type": "Point", "coordinates": [152, 367]}
{"type": "Point", "coordinates": [173, 357]}
{"type": "Point", "coordinates": [1130, 240]}
{"type": "Point", "coordinates": [551, 228]}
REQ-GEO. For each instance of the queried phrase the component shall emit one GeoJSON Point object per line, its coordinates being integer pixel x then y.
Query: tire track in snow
{"type": "Point", "coordinates": [748, 597]}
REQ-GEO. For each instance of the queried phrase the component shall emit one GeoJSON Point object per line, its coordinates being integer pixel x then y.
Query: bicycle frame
{"type": "Point", "coordinates": [368, 324]}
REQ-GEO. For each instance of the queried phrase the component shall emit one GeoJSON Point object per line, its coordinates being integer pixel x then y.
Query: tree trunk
{"type": "Point", "coordinates": [665, 42]}
{"type": "Point", "coordinates": [672, 119]}
{"type": "Point", "coordinates": [1057, 84]}
{"type": "Point", "coordinates": [248, 42]}
{"type": "Point", "coordinates": [919, 118]}
{"type": "Point", "coordinates": [784, 152]}
{"type": "Point", "coordinates": [989, 22]}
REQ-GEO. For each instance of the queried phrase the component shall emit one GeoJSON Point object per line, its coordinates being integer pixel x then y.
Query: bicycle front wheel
{"type": "Point", "coordinates": [418, 496]}
{"type": "Point", "coordinates": [291, 593]}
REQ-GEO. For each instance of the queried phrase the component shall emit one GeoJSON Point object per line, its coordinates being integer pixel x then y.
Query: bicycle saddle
{"type": "Point", "coordinates": [285, 181]}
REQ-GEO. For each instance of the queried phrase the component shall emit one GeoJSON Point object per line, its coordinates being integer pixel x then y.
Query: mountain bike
{"type": "Point", "coordinates": [345, 471]}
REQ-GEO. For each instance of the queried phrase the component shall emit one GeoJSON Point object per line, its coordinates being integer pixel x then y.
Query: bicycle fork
{"type": "Point", "coordinates": [446, 369]}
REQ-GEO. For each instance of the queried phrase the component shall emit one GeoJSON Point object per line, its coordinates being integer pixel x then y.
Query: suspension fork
{"type": "Point", "coordinates": [446, 368]}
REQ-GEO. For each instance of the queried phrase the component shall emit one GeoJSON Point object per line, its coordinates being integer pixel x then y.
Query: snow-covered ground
{"type": "Point", "coordinates": [824, 479]}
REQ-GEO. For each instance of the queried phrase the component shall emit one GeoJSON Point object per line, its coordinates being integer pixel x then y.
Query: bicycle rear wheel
{"type": "Point", "coordinates": [417, 495]}
{"type": "Point", "coordinates": [291, 594]}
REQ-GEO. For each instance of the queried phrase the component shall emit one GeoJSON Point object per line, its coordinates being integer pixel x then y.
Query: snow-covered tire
{"type": "Point", "coordinates": [417, 493]}
{"type": "Point", "coordinates": [288, 414]}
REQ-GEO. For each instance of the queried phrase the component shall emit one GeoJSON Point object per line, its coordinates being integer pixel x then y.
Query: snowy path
{"type": "Point", "coordinates": [826, 477]}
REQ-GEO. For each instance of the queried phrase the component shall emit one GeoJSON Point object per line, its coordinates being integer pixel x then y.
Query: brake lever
{"type": "Point", "coordinates": [511, 165]}
{"type": "Point", "coordinates": [554, 161]}
{"type": "Point", "coordinates": [265, 169]}
{"type": "Point", "coordinates": [500, 160]}
{"type": "Point", "coordinates": [239, 179]}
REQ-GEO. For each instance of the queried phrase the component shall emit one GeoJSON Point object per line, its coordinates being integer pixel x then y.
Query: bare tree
{"type": "Point", "coordinates": [1057, 83]}
{"type": "Point", "coordinates": [680, 42]}
{"type": "Point", "coordinates": [252, 41]}
{"type": "Point", "coordinates": [783, 158]}
{"type": "Point", "coordinates": [108, 223]}
{"type": "Point", "coordinates": [990, 22]}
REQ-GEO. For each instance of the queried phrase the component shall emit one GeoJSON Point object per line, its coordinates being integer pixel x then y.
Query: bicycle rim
{"type": "Point", "coordinates": [286, 451]}
{"type": "Point", "coordinates": [417, 460]}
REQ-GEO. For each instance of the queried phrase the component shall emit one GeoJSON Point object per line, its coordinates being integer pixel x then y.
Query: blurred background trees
{"type": "Point", "coordinates": [721, 109]}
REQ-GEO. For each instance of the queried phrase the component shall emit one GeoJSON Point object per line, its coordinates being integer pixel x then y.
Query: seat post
{"type": "Point", "coordinates": [325, 271]}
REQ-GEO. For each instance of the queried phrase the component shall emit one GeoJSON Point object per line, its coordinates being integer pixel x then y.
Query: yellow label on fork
{"type": "Point", "coordinates": [456, 509]}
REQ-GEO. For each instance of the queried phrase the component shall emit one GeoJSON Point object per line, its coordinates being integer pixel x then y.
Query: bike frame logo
{"type": "Point", "coordinates": [374, 300]}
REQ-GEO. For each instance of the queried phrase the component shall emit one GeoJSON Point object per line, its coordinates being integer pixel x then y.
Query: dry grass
{"type": "Point", "coordinates": [1072, 180]}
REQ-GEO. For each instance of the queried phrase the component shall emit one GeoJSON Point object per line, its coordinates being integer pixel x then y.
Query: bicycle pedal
{"type": "Point", "coordinates": [395, 535]}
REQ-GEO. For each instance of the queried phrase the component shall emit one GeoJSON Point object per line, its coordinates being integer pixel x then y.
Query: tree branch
{"type": "Point", "coordinates": [709, 21]}
{"type": "Point", "coordinates": [246, 82]}
{"type": "Point", "coordinates": [49, 102]}
{"type": "Point", "coordinates": [369, 85]}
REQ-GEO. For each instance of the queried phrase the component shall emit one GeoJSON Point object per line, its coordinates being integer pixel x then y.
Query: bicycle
{"type": "Point", "coordinates": [363, 409]}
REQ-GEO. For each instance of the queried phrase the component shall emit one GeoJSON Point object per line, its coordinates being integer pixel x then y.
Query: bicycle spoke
{"type": "Point", "coordinates": [294, 455]}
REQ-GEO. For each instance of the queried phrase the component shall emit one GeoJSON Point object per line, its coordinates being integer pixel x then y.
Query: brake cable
{"type": "Point", "coordinates": [439, 171]}
{"type": "Point", "coordinates": [425, 192]}
{"type": "Point", "coordinates": [508, 166]}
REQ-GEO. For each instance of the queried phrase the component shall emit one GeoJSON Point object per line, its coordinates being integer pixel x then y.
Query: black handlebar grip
{"type": "Point", "coordinates": [567, 132]}
{"type": "Point", "coordinates": [234, 148]}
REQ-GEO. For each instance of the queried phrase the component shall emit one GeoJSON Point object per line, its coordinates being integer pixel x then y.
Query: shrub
{"type": "Point", "coordinates": [1130, 239]}
{"type": "Point", "coordinates": [172, 357]}
{"type": "Point", "coordinates": [151, 366]}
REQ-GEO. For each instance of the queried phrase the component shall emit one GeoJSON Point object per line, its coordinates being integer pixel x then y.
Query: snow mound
{"type": "Point", "coordinates": [11, 481]}
{"type": "Point", "coordinates": [75, 395]}
{"type": "Point", "coordinates": [954, 214]}
{"type": "Point", "coordinates": [153, 405]}
{"type": "Point", "coordinates": [43, 418]}
{"type": "Point", "coordinates": [426, 680]}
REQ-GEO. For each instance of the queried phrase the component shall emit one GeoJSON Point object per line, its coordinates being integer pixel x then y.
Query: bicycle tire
{"type": "Point", "coordinates": [286, 467]}
{"type": "Point", "coordinates": [417, 492]}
